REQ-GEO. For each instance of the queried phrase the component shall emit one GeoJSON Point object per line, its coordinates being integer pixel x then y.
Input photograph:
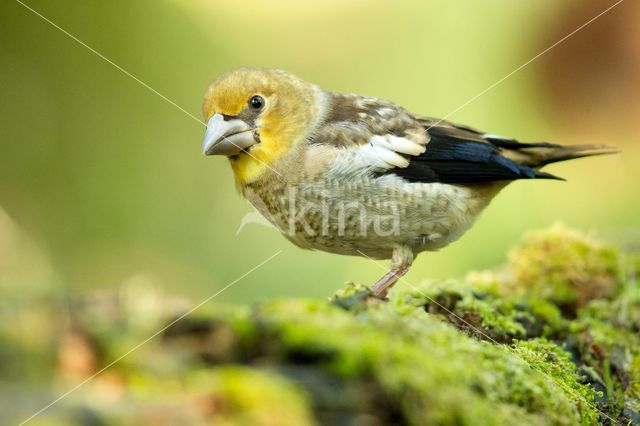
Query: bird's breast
{"type": "Point", "coordinates": [368, 214]}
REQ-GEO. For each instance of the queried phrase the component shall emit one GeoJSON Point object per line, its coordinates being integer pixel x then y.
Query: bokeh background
{"type": "Point", "coordinates": [111, 218]}
{"type": "Point", "coordinates": [102, 183]}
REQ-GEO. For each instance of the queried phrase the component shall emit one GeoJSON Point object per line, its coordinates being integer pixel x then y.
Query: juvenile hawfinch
{"type": "Point", "coordinates": [355, 175]}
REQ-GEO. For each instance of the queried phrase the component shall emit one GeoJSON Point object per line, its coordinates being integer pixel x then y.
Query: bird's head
{"type": "Point", "coordinates": [257, 116]}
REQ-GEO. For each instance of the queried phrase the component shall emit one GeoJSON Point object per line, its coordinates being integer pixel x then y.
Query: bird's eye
{"type": "Point", "coordinates": [256, 102]}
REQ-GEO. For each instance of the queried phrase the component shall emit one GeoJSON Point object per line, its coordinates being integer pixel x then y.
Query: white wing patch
{"type": "Point", "coordinates": [385, 152]}
{"type": "Point", "coordinates": [492, 136]}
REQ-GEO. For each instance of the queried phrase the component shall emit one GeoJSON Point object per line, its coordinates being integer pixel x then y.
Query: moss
{"type": "Point", "coordinates": [484, 314]}
{"type": "Point", "coordinates": [552, 338]}
{"type": "Point", "coordinates": [564, 267]}
{"type": "Point", "coordinates": [634, 383]}
{"type": "Point", "coordinates": [409, 367]}
{"type": "Point", "coordinates": [631, 408]}
{"type": "Point", "coordinates": [555, 363]}
{"type": "Point", "coordinates": [235, 395]}
{"type": "Point", "coordinates": [426, 370]}
{"type": "Point", "coordinates": [608, 342]}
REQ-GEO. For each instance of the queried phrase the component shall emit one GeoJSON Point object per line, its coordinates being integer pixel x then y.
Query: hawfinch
{"type": "Point", "coordinates": [356, 175]}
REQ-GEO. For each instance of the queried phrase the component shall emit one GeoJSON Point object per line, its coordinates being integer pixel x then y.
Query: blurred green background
{"type": "Point", "coordinates": [102, 182]}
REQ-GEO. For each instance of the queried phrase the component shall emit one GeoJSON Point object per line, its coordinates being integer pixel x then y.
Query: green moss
{"type": "Point", "coordinates": [609, 343]}
{"type": "Point", "coordinates": [634, 383]}
{"type": "Point", "coordinates": [564, 267]}
{"type": "Point", "coordinates": [235, 395]}
{"type": "Point", "coordinates": [631, 409]}
{"type": "Point", "coordinates": [484, 314]}
{"type": "Point", "coordinates": [553, 338]}
{"type": "Point", "coordinates": [555, 364]}
{"type": "Point", "coordinates": [404, 355]}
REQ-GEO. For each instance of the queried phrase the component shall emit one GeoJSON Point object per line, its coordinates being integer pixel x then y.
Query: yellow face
{"type": "Point", "coordinates": [255, 117]}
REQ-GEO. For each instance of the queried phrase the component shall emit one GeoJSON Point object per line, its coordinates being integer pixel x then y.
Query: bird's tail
{"type": "Point", "coordinates": [557, 153]}
{"type": "Point", "coordinates": [540, 154]}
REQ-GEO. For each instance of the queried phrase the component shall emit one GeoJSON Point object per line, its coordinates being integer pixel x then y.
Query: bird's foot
{"type": "Point", "coordinates": [354, 297]}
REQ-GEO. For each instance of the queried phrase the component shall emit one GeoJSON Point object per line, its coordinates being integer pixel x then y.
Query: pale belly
{"type": "Point", "coordinates": [371, 216]}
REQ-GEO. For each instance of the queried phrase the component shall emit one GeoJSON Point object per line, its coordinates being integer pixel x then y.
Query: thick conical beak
{"type": "Point", "coordinates": [227, 137]}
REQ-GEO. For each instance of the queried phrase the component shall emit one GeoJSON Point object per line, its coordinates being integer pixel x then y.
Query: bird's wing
{"type": "Point", "coordinates": [375, 133]}
{"type": "Point", "coordinates": [457, 154]}
{"type": "Point", "coordinates": [385, 138]}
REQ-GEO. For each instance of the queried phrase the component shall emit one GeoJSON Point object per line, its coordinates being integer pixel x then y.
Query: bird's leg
{"type": "Point", "coordinates": [382, 286]}
{"type": "Point", "coordinates": [401, 260]}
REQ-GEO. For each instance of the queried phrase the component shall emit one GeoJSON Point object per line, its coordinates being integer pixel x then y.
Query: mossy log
{"type": "Point", "coordinates": [551, 338]}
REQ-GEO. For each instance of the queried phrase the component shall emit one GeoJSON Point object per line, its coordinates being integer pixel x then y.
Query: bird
{"type": "Point", "coordinates": [358, 175]}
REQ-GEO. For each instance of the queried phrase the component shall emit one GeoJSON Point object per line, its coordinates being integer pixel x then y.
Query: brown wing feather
{"type": "Point", "coordinates": [353, 120]}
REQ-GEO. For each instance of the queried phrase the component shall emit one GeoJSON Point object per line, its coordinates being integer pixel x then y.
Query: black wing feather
{"type": "Point", "coordinates": [452, 157]}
